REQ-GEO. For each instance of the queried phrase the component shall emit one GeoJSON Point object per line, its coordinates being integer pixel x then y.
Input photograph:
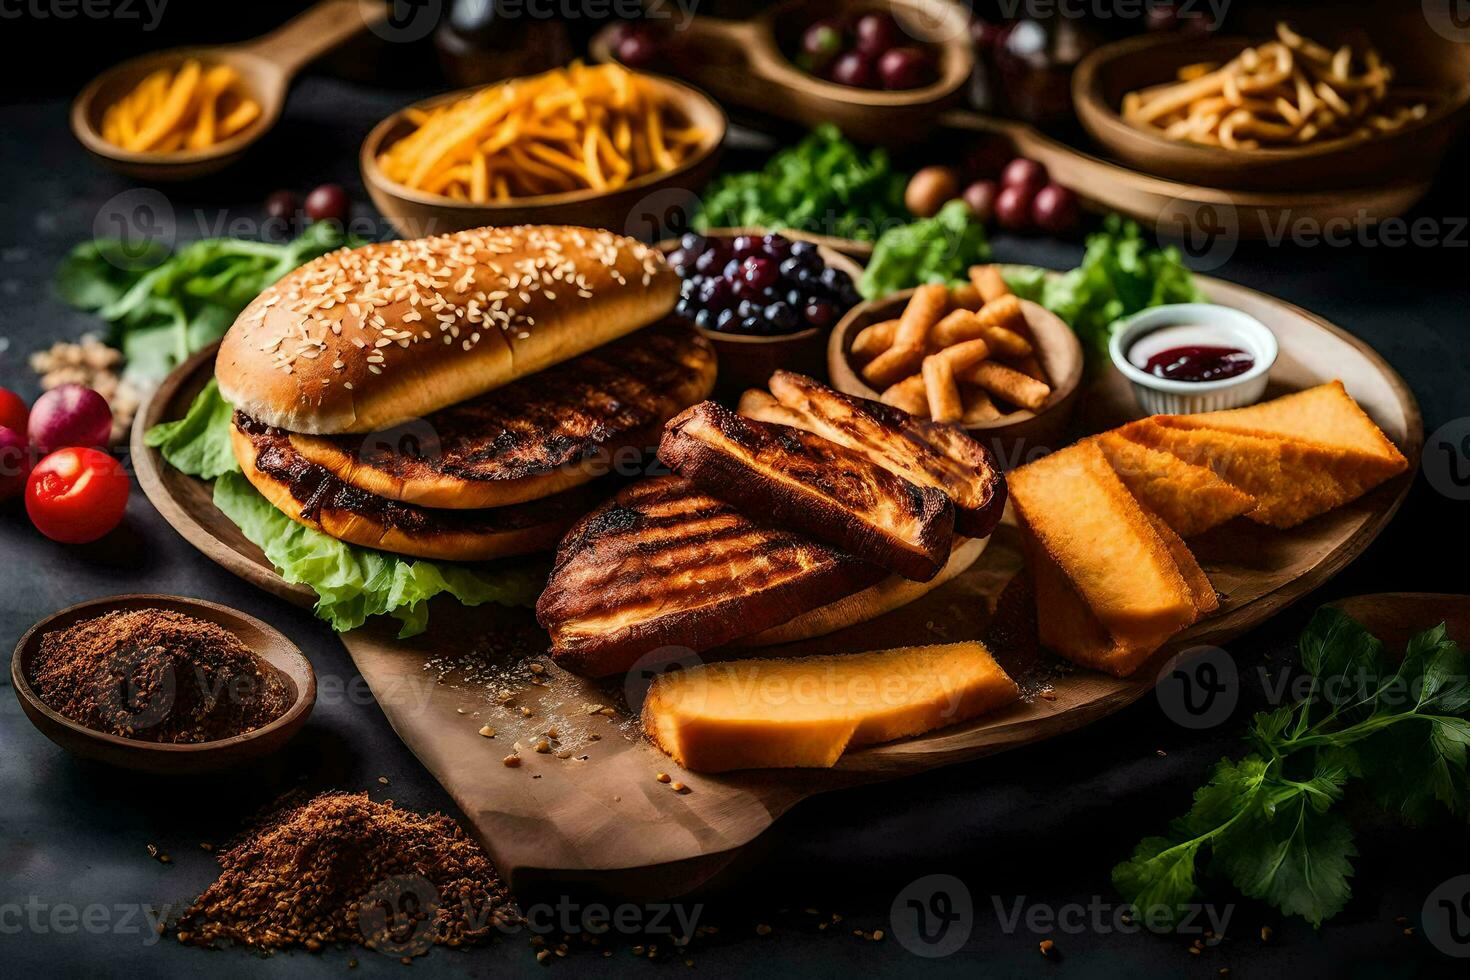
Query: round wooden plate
{"type": "Point", "coordinates": [607, 817]}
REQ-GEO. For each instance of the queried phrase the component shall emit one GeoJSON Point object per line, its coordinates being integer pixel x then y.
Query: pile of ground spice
{"type": "Point", "coordinates": [157, 676]}
{"type": "Point", "coordinates": [341, 868]}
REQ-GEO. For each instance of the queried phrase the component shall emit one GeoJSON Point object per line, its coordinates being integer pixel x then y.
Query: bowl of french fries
{"type": "Point", "coordinates": [1282, 112]}
{"type": "Point", "coordinates": [974, 354]}
{"type": "Point", "coordinates": [599, 146]}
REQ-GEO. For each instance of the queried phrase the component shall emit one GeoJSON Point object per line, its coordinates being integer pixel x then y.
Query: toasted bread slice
{"type": "Point", "coordinates": [536, 436]}
{"type": "Point", "coordinates": [1325, 415]}
{"type": "Point", "coordinates": [805, 712]}
{"type": "Point", "coordinates": [1088, 522]}
{"type": "Point", "coordinates": [312, 496]}
{"type": "Point", "coordinates": [665, 565]}
{"type": "Point", "coordinates": [803, 481]}
{"type": "Point", "coordinates": [1190, 499]}
{"type": "Point", "coordinates": [924, 453]}
{"type": "Point", "coordinates": [1292, 481]}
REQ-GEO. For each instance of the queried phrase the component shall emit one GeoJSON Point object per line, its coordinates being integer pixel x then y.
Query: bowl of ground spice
{"type": "Point", "coordinates": [162, 684]}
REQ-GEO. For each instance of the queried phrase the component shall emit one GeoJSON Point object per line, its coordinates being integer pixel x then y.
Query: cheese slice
{"type": "Point", "coordinates": [1326, 415]}
{"type": "Point", "coordinates": [1088, 522]}
{"type": "Point", "coordinates": [1292, 480]}
{"type": "Point", "coordinates": [805, 712]}
{"type": "Point", "coordinates": [1190, 499]}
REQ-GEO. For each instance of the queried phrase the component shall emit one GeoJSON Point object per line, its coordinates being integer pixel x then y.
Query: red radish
{"type": "Point", "coordinates": [70, 415]}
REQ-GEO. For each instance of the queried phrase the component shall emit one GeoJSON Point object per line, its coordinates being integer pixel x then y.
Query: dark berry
{"type": "Point", "coordinates": [796, 298]}
{"type": "Point", "coordinates": [752, 325]}
{"type": "Point", "coordinates": [685, 309]}
{"type": "Point", "coordinates": [819, 313]}
{"type": "Point", "coordinates": [708, 263]}
{"type": "Point", "coordinates": [776, 246]}
{"type": "Point", "coordinates": [704, 319]}
{"type": "Point", "coordinates": [692, 243]}
{"type": "Point", "coordinates": [835, 280]}
{"type": "Point", "coordinates": [803, 247]}
{"type": "Point", "coordinates": [759, 272]}
{"type": "Point", "coordinates": [716, 294]}
{"type": "Point", "coordinates": [781, 316]}
{"type": "Point", "coordinates": [732, 269]}
{"type": "Point", "coordinates": [689, 288]}
{"type": "Point", "coordinates": [745, 246]}
{"type": "Point", "coordinates": [724, 319]}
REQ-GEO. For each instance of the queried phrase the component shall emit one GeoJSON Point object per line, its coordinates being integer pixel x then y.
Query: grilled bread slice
{"type": "Point", "coordinates": [926, 454]}
{"type": "Point", "coordinates": [536, 436]}
{"type": "Point", "coordinates": [663, 565]}
{"type": "Point", "coordinates": [310, 495]}
{"type": "Point", "coordinates": [803, 481]}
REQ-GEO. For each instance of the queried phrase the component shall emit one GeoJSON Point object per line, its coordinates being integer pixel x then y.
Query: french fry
{"type": "Point", "coordinates": [977, 406]}
{"type": "Point", "coordinates": [1004, 311]}
{"type": "Point", "coordinates": [1008, 384]}
{"type": "Point", "coordinates": [956, 327]}
{"type": "Point", "coordinates": [908, 395]}
{"type": "Point", "coordinates": [892, 366]}
{"type": "Point", "coordinates": [1006, 343]}
{"type": "Point", "coordinates": [988, 282]}
{"type": "Point", "coordinates": [939, 387]}
{"type": "Point", "coordinates": [874, 339]}
{"type": "Point", "coordinates": [966, 297]}
{"type": "Point", "coordinates": [924, 309]}
{"type": "Point", "coordinates": [962, 356]}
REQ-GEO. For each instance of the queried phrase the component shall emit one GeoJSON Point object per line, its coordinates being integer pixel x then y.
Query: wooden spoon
{"type": "Point", "coordinates": [742, 62]}
{"type": "Point", "coordinates": [266, 66]}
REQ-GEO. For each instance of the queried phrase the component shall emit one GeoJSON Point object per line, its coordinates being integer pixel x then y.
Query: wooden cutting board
{"type": "Point", "coordinates": [600, 815]}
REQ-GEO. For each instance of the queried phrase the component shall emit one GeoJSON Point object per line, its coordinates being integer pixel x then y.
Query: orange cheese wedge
{"type": "Point", "coordinates": [1326, 415]}
{"type": "Point", "coordinates": [1087, 521]}
{"type": "Point", "coordinates": [1190, 499]}
{"type": "Point", "coordinates": [805, 712]}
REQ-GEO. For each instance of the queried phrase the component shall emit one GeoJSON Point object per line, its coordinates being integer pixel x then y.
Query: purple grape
{"type": "Point", "coordinates": [692, 243]}
{"type": "Point", "coordinates": [752, 325]}
{"type": "Point", "coordinates": [819, 313]}
{"type": "Point", "coordinates": [723, 319]}
{"type": "Point", "coordinates": [803, 247]}
{"type": "Point", "coordinates": [685, 309]}
{"type": "Point", "coordinates": [745, 308]}
{"type": "Point", "coordinates": [745, 246]}
{"type": "Point", "coordinates": [796, 298]}
{"type": "Point", "coordinates": [776, 246]}
{"type": "Point", "coordinates": [704, 319]}
{"type": "Point", "coordinates": [731, 270]}
{"type": "Point", "coordinates": [759, 273]}
{"type": "Point", "coordinates": [689, 288]}
{"type": "Point", "coordinates": [716, 294]}
{"type": "Point", "coordinates": [834, 280]}
{"type": "Point", "coordinates": [853, 68]}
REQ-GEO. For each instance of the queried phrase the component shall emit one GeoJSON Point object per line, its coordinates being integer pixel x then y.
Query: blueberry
{"type": "Point", "coordinates": [745, 308]}
{"type": "Point", "coordinates": [790, 267]}
{"type": "Point", "coordinates": [689, 288]}
{"type": "Point", "coordinates": [781, 316]}
{"type": "Point", "coordinates": [704, 319]}
{"type": "Point", "coordinates": [835, 280]}
{"type": "Point", "coordinates": [708, 262]}
{"type": "Point", "coordinates": [776, 246]}
{"type": "Point", "coordinates": [745, 246]}
{"type": "Point", "coordinates": [805, 277]}
{"type": "Point", "coordinates": [800, 247]}
{"type": "Point", "coordinates": [732, 269]}
{"type": "Point", "coordinates": [796, 298]}
{"type": "Point", "coordinates": [819, 313]}
{"type": "Point", "coordinates": [724, 319]}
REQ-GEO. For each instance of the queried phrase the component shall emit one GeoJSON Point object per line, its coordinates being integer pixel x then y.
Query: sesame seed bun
{"type": "Point", "coordinates": [361, 339]}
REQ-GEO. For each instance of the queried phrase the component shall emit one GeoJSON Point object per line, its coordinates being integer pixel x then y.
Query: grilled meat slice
{"type": "Point", "coordinates": [806, 482]}
{"type": "Point", "coordinates": [310, 495]}
{"type": "Point", "coordinates": [924, 453]}
{"type": "Point", "coordinates": [663, 564]}
{"type": "Point", "coordinates": [533, 437]}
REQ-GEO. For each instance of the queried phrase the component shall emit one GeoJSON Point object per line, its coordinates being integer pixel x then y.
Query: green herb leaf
{"type": "Point", "coordinates": [938, 249]}
{"type": "Point", "coordinates": [824, 185]}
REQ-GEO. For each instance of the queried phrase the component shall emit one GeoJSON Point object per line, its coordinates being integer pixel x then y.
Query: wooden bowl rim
{"type": "Point", "coordinates": [1111, 128]}
{"type": "Point", "coordinates": [828, 253]}
{"type": "Point", "coordinates": [286, 658]}
{"type": "Point", "coordinates": [90, 137]}
{"type": "Point", "coordinates": [375, 143]}
{"type": "Point", "coordinates": [1060, 393]}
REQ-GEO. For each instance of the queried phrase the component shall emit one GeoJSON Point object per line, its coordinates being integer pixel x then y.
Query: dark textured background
{"type": "Point", "coordinates": [1043, 825]}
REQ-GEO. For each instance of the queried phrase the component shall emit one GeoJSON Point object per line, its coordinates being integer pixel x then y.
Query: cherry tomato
{"type": "Point", "coordinates": [328, 202]}
{"type": "Point", "coordinates": [77, 495]}
{"type": "Point", "coordinates": [13, 411]}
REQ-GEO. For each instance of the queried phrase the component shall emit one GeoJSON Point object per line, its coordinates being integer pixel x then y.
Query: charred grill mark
{"type": "Point", "coordinates": [562, 416]}
{"type": "Point", "coordinates": [315, 489]}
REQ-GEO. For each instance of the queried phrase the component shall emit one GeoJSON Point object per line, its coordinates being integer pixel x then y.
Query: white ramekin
{"type": "Point", "coordinates": [1229, 327]}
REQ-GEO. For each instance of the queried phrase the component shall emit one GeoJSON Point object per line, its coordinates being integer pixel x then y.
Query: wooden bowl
{"type": "Point", "coordinates": [165, 758]}
{"type": "Point", "coordinates": [1014, 437]}
{"type": "Point", "coordinates": [266, 66]}
{"type": "Point", "coordinates": [743, 63]}
{"type": "Point", "coordinates": [1410, 153]}
{"type": "Point", "coordinates": [748, 362]}
{"type": "Point", "coordinates": [639, 208]}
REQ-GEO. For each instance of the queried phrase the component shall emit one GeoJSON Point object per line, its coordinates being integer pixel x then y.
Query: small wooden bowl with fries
{"type": "Point", "coordinates": [1004, 368]}
{"type": "Point", "coordinates": [601, 147]}
{"type": "Point", "coordinates": [1283, 112]}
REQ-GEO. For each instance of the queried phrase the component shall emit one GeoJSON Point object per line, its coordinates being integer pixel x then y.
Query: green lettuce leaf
{"type": "Point", "coordinates": [198, 443]}
{"type": "Point", "coordinates": [1120, 275]}
{"type": "Point", "coordinates": [352, 583]}
{"type": "Point", "coordinates": [938, 249]}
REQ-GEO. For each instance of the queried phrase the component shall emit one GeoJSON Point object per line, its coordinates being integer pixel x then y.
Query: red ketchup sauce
{"type": "Point", "coordinates": [1199, 363]}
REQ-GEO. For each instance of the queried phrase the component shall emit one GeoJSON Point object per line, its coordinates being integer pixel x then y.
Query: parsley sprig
{"type": "Point", "coordinates": [1269, 820]}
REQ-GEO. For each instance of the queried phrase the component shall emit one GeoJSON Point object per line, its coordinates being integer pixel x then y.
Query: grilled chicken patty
{"type": "Point", "coordinates": [533, 437]}
{"type": "Point", "coordinates": [663, 563]}
{"type": "Point", "coordinates": [313, 496]}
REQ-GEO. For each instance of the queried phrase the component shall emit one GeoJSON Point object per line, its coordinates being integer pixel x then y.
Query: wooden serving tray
{"type": "Point", "coordinates": [606, 820]}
